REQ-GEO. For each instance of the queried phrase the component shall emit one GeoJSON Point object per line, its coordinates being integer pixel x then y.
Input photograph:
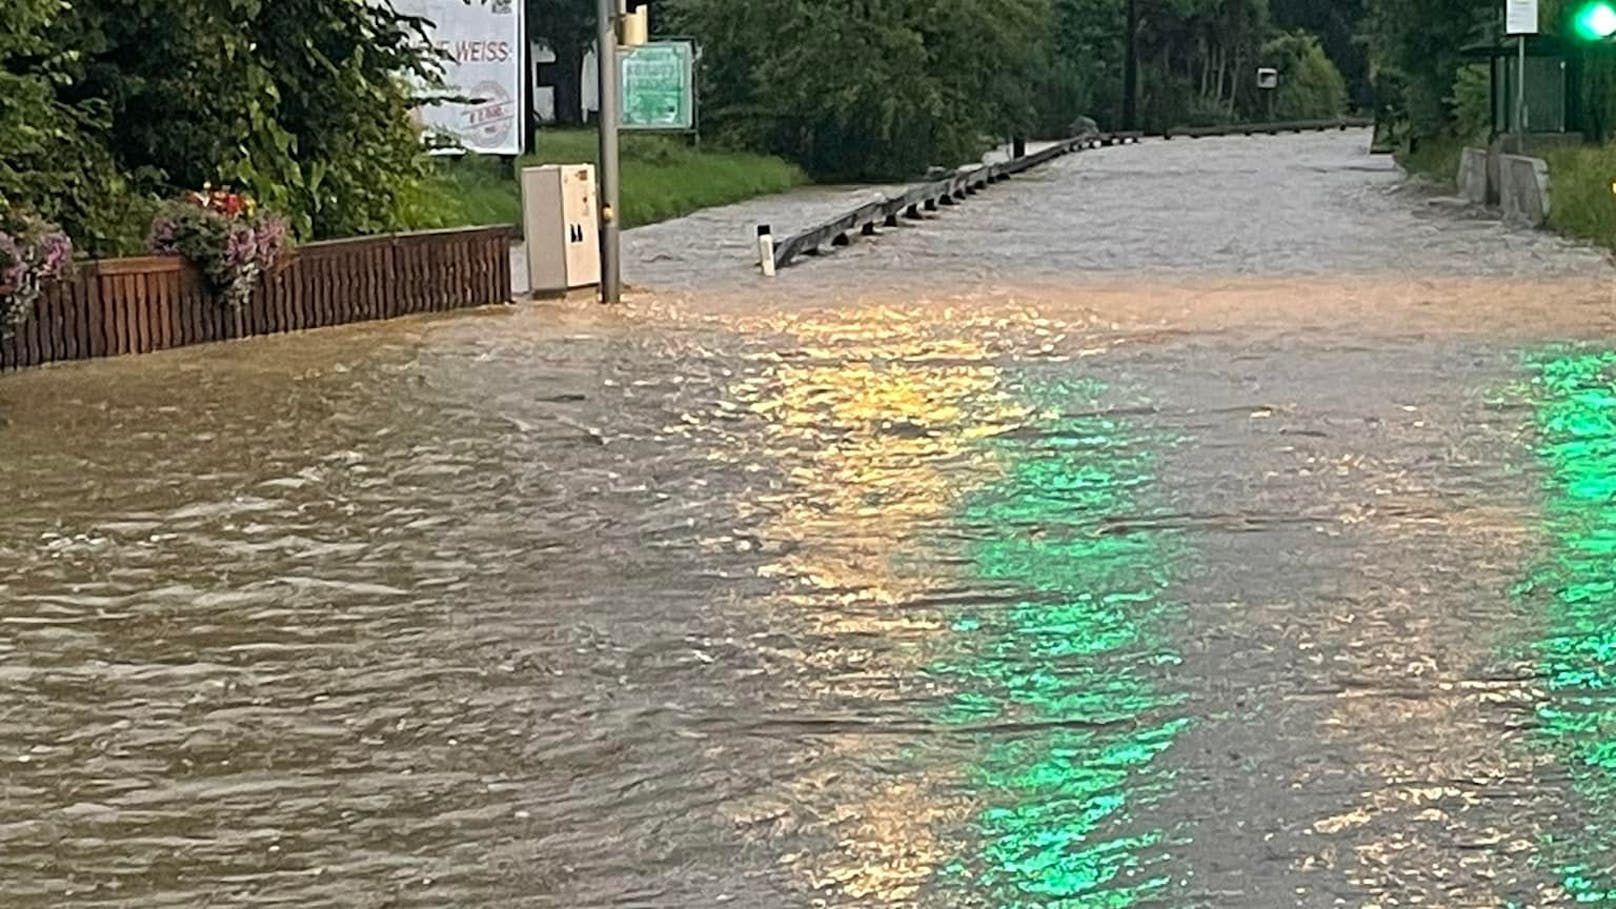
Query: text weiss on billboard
{"type": "Point", "coordinates": [483, 43]}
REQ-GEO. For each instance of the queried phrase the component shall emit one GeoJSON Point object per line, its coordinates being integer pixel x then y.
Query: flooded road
{"type": "Point", "coordinates": [1189, 524]}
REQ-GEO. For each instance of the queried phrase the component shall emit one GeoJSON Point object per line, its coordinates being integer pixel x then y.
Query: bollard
{"type": "Point", "coordinates": [765, 241]}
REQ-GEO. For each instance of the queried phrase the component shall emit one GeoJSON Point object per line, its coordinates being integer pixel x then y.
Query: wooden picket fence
{"type": "Point", "coordinates": [128, 306]}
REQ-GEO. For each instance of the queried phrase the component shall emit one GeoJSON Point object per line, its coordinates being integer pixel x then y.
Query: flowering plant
{"type": "Point", "coordinates": [32, 251]}
{"type": "Point", "coordinates": [223, 234]}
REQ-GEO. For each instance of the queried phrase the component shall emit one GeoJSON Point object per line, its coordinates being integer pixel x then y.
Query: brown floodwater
{"type": "Point", "coordinates": [1189, 524]}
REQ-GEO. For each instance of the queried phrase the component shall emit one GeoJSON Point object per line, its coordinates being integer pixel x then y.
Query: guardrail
{"type": "Point", "coordinates": [1272, 129]}
{"type": "Point", "coordinates": [933, 196]}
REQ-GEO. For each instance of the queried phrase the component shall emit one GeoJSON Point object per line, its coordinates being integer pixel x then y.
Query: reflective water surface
{"type": "Point", "coordinates": [1025, 587]}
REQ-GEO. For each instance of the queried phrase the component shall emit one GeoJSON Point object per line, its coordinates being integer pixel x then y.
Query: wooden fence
{"type": "Point", "coordinates": [128, 306]}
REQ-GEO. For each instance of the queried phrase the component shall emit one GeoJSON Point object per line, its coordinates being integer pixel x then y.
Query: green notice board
{"type": "Point", "coordinates": [659, 86]}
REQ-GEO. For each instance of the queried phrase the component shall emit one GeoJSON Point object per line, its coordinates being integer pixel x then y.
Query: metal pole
{"type": "Point", "coordinates": [530, 115]}
{"type": "Point", "coordinates": [1520, 97]}
{"type": "Point", "coordinates": [1130, 71]}
{"type": "Point", "coordinates": [611, 267]}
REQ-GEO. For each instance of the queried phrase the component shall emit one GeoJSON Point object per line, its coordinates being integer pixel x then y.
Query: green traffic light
{"type": "Point", "coordinates": [1596, 21]}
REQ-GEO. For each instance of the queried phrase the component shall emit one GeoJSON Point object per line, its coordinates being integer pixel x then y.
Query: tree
{"type": "Point", "coordinates": [51, 160]}
{"type": "Point", "coordinates": [328, 127]}
{"type": "Point", "coordinates": [305, 103]}
{"type": "Point", "coordinates": [1310, 85]}
{"type": "Point", "coordinates": [1084, 78]}
{"type": "Point", "coordinates": [1337, 24]}
{"type": "Point", "coordinates": [1200, 57]}
{"type": "Point", "coordinates": [868, 88]}
{"type": "Point", "coordinates": [1417, 49]}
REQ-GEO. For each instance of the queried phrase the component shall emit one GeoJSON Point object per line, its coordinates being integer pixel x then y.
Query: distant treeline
{"type": "Point", "coordinates": [882, 88]}
{"type": "Point", "coordinates": [886, 88]}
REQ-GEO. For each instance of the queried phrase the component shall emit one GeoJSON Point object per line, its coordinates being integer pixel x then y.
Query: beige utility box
{"type": "Point", "coordinates": [560, 224]}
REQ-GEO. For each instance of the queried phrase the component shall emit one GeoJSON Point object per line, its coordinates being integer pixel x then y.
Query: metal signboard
{"type": "Point", "coordinates": [483, 42]}
{"type": "Point", "coordinates": [1520, 17]}
{"type": "Point", "coordinates": [658, 84]}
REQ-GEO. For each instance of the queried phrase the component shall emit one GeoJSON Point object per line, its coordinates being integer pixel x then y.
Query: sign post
{"type": "Point", "coordinates": [1268, 83]}
{"type": "Point", "coordinates": [483, 43]}
{"type": "Point", "coordinates": [659, 86]}
{"type": "Point", "coordinates": [611, 266]}
{"type": "Point", "coordinates": [1520, 20]}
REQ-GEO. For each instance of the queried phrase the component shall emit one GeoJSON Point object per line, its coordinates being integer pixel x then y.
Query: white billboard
{"type": "Point", "coordinates": [483, 41]}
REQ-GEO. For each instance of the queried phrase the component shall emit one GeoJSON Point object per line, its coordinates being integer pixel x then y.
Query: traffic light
{"type": "Point", "coordinates": [1595, 21]}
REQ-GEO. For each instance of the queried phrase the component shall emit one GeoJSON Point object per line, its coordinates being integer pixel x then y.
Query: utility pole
{"type": "Point", "coordinates": [1130, 71]}
{"type": "Point", "coordinates": [611, 263]}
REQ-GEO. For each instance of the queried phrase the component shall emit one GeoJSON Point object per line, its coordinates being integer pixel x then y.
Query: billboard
{"type": "Point", "coordinates": [483, 41]}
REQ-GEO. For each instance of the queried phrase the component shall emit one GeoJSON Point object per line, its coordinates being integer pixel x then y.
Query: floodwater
{"type": "Point", "coordinates": [1189, 524]}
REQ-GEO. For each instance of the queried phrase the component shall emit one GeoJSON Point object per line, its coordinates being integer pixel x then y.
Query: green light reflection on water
{"type": "Point", "coordinates": [1576, 423]}
{"type": "Point", "coordinates": [1061, 680]}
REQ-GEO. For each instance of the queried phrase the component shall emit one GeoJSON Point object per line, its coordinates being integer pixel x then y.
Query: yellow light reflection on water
{"type": "Point", "coordinates": [874, 417]}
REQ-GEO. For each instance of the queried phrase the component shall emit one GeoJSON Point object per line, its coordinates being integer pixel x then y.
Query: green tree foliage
{"type": "Point", "coordinates": [1200, 60]}
{"type": "Point", "coordinates": [52, 161]}
{"type": "Point", "coordinates": [330, 137]}
{"type": "Point", "coordinates": [884, 88]}
{"type": "Point", "coordinates": [29, 114]}
{"type": "Point", "coordinates": [1085, 74]}
{"type": "Point", "coordinates": [106, 104]}
{"type": "Point", "coordinates": [1418, 48]}
{"type": "Point", "coordinates": [868, 88]}
{"type": "Point", "coordinates": [1337, 24]}
{"type": "Point", "coordinates": [1310, 85]}
{"type": "Point", "coordinates": [1472, 102]}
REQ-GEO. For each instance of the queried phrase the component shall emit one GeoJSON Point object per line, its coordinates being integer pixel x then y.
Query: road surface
{"type": "Point", "coordinates": [1191, 524]}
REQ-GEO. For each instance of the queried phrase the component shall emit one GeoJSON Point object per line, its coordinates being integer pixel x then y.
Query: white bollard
{"type": "Point", "coordinates": [765, 239]}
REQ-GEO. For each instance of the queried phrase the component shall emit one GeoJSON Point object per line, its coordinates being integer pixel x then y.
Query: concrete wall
{"type": "Point", "coordinates": [1523, 190]}
{"type": "Point", "coordinates": [1473, 181]}
{"type": "Point", "coordinates": [1516, 183]}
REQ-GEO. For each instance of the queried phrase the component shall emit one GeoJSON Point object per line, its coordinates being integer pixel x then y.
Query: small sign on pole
{"type": "Point", "coordinates": [1520, 20]}
{"type": "Point", "coordinates": [1520, 17]}
{"type": "Point", "coordinates": [1268, 81]}
{"type": "Point", "coordinates": [659, 86]}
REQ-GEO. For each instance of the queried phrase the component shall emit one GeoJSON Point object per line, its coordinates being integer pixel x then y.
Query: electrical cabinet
{"type": "Point", "coordinates": [560, 225]}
